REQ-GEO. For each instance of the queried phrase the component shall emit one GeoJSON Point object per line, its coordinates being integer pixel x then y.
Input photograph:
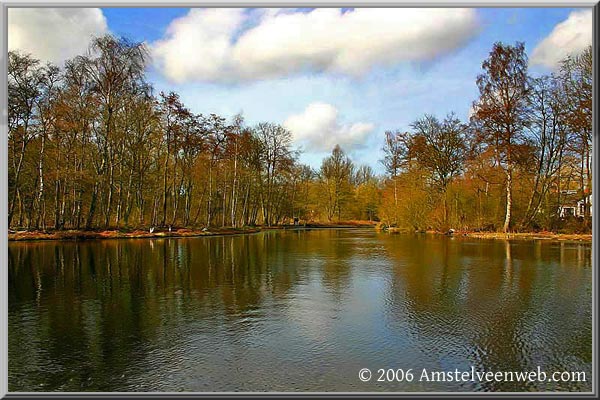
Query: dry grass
{"type": "Point", "coordinates": [529, 236]}
{"type": "Point", "coordinates": [182, 232]}
{"type": "Point", "coordinates": [342, 224]}
{"type": "Point", "coordinates": [500, 235]}
{"type": "Point", "coordinates": [186, 232]}
{"type": "Point", "coordinates": [116, 234]}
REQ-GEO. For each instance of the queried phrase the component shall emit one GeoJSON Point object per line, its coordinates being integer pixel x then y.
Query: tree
{"type": "Point", "coordinates": [113, 67]}
{"type": "Point", "coordinates": [499, 113]}
{"type": "Point", "coordinates": [547, 134]}
{"type": "Point", "coordinates": [78, 109]}
{"type": "Point", "coordinates": [439, 147]}
{"type": "Point", "coordinates": [335, 176]}
{"type": "Point", "coordinates": [276, 158]}
{"type": "Point", "coordinates": [141, 156]}
{"type": "Point", "coordinates": [366, 199]}
{"type": "Point", "coordinates": [178, 126]}
{"type": "Point", "coordinates": [396, 156]}
{"type": "Point", "coordinates": [233, 149]}
{"type": "Point", "coordinates": [25, 81]}
{"type": "Point", "coordinates": [91, 142]}
{"type": "Point", "coordinates": [576, 80]}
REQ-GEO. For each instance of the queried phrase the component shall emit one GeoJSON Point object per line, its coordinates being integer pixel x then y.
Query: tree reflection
{"type": "Point", "coordinates": [489, 304]}
{"type": "Point", "coordinates": [178, 313]}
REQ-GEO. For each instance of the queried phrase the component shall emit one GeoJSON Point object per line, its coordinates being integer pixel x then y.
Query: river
{"type": "Point", "coordinates": [301, 310]}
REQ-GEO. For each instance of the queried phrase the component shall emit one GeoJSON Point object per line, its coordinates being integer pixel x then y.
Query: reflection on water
{"type": "Point", "coordinates": [295, 311]}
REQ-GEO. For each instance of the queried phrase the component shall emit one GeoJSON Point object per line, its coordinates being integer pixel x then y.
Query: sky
{"type": "Point", "coordinates": [331, 76]}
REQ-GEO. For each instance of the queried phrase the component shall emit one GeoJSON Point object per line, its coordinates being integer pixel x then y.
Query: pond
{"type": "Point", "coordinates": [297, 310]}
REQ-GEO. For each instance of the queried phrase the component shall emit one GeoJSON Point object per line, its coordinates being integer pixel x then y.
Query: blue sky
{"type": "Point", "coordinates": [352, 105]}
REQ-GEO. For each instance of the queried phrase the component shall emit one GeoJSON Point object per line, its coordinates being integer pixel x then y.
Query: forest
{"type": "Point", "coordinates": [92, 146]}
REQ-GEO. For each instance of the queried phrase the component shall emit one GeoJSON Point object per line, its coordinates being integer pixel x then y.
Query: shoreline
{"type": "Point", "coordinates": [84, 235]}
{"type": "Point", "coordinates": [549, 236]}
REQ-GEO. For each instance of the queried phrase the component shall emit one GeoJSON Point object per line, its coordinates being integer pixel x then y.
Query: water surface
{"type": "Point", "coordinates": [295, 311]}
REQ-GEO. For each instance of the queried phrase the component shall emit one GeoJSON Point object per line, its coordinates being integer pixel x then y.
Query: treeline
{"type": "Point", "coordinates": [92, 146]}
{"type": "Point", "coordinates": [522, 162]}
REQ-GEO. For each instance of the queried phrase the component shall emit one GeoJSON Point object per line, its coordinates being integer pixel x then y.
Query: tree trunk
{"type": "Point", "coordinates": [209, 200]}
{"type": "Point", "coordinates": [506, 226]}
{"type": "Point", "coordinates": [109, 197]}
{"type": "Point", "coordinates": [56, 202]}
{"type": "Point", "coordinates": [233, 189]}
{"type": "Point", "coordinates": [165, 175]}
{"type": "Point", "coordinates": [92, 211]}
{"type": "Point", "coordinates": [41, 217]}
{"type": "Point", "coordinates": [16, 183]}
{"type": "Point", "coordinates": [446, 212]}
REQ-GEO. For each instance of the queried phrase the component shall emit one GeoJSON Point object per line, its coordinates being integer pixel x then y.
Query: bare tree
{"type": "Point", "coordinates": [396, 156]}
{"type": "Point", "coordinates": [500, 109]}
{"type": "Point", "coordinates": [113, 67]}
{"type": "Point", "coordinates": [25, 85]}
{"type": "Point", "coordinates": [275, 142]}
{"type": "Point", "coordinates": [335, 175]}
{"type": "Point", "coordinates": [547, 130]}
{"type": "Point", "coordinates": [576, 78]}
{"type": "Point", "coordinates": [440, 148]}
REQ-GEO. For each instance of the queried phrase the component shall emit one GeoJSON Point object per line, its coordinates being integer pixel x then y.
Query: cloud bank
{"type": "Point", "coordinates": [232, 45]}
{"type": "Point", "coordinates": [318, 128]}
{"type": "Point", "coordinates": [571, 36]}
{"type": "Point", "coordinates": [54, 34]}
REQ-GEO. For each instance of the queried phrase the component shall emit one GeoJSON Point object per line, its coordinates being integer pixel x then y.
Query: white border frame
{"type": "Point", "coordinates": [259, 4]}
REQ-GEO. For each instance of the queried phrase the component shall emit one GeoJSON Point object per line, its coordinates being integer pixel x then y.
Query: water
{"type": "Point", "coordinates": [295, 311]}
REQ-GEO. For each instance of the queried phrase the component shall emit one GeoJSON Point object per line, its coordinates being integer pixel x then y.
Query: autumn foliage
{"type": "Point", "coordinates": [91, 146]}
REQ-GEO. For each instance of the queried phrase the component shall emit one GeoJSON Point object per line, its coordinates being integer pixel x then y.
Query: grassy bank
{"type": "Point", "coordinates": [119, 234]}
{"type": "Point", "coordinates": [504, 236]}
{"type": "Point", "coordinates": [542, 235]}
{"type": "Point", "coordinates": [184, 232]}
{"type": "Point", "coordinates": [26, 235]}
{"type": "Point", "coordinates": [530, 236]}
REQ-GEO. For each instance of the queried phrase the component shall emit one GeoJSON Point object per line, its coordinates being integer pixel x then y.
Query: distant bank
{"type": "Point", "coordinates": [543, 235]}
{"type": "Point", "coordinates": [26, 235]}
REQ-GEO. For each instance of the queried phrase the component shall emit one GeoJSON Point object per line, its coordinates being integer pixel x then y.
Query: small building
{"type": "Point", "coordinates": [567, 211]}
{"type": "Point", "coordinates": [581, 205]}
{"type": "Point", "coordinates": [576, 209]}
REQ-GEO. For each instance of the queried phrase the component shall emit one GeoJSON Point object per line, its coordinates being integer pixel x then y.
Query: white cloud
{"type": "Point", "coordinates": [235, 45]}
{"type": "Point", "coordinates": [54, 34]}
{"type": "Point", "coordinates": [318, 128]}
{"type": "Point", "coordinates": [571, 36]}
{"type": "Point", "coordinates": [198, 44]}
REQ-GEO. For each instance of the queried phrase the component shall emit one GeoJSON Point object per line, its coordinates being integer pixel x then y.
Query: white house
{"type": "Point", "coordinates": [577, 209]}
{"type": "Point", "coordinates": [581, 206]}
